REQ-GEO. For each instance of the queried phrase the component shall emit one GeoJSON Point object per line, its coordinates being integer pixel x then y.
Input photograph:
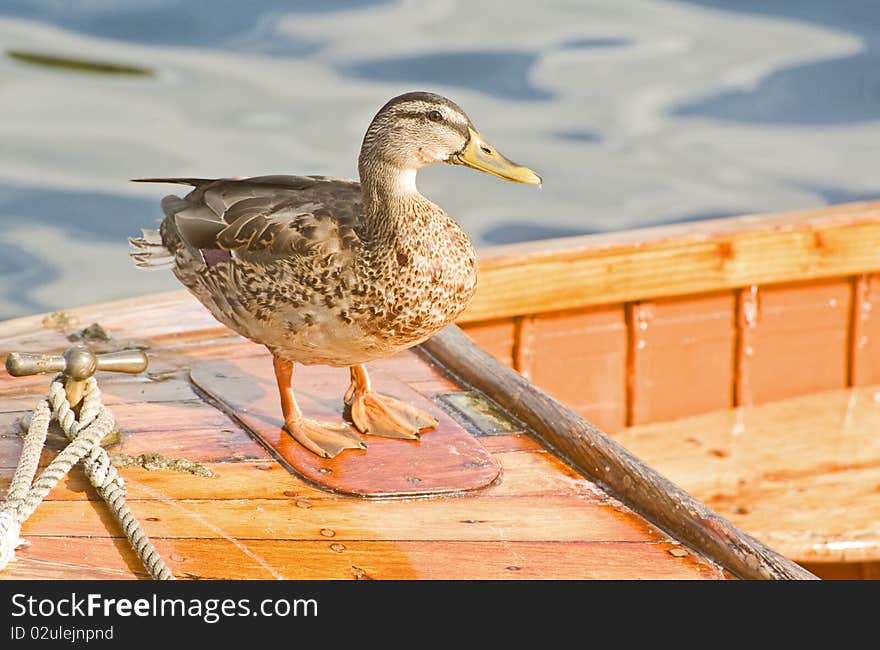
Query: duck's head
{"type": "Point", "coordinates": [419, 128]}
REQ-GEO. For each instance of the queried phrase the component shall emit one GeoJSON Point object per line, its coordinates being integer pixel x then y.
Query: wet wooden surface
{"type": "Point", "coordinates": [717, 315]}
{"type": "Point", "coordinates": [253, 519]}
{"type": "Point", "coordinates": [445, 460]}
{"type": "Point", "coordinates": [599, 457]}
{"type": "Point", "coordinates": [801, 474]}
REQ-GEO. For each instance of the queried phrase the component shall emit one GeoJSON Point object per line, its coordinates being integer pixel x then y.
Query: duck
{"type": "Point", "coordinates": [333, 271]}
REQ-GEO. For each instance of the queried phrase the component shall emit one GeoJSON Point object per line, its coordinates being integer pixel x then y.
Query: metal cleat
{"type": "Point", "coordinates": [77, 364]}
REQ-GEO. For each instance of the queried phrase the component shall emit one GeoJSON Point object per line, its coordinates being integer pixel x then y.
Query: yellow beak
{"type": "Point", "coordinates": [479, 154]}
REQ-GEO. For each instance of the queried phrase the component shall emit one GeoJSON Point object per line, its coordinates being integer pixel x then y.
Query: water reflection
{"type": "Point", "coordinates": [634, 113]}
{"type": "Point", "coordinates": [504, 74]}
{"type": "Point", "coordinates": [227, 24]}
{"type": "Point", "coordinates": [835, 91]}
{"type": "Point", "coordinates": [580, 135]}
{"type": "Point", "coordinates": [91, 216]}
{"type": "Point", "coordinates": [586, 43]}
{"type": "Point", "coordinates": [23, 273]}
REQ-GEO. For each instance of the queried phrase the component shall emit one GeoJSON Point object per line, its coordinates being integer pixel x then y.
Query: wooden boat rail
{"type": "Point", "coordinates": [595, 455]}
{"type": "Point", "coordinates": [651, 326]}
{"type": "Point", "coordinates": [725, 289]}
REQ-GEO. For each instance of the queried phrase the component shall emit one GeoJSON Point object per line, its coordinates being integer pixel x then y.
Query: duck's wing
{"type": "Point", "coordinates": [263, 217]}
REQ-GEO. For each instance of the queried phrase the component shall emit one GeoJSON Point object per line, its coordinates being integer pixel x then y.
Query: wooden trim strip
{"type": "Point", "coordinates": [523, 344]}
{"type": "Point", "coordinates": [632, 335]}
{"type": "Point", "coordinates": [747, 307]}
{"type": "Point", "coordinates": [699, 257]}
{"type": "Point", "coordinates": [860, 312]}
{"type": "Point", "coordinates": [601, 459]}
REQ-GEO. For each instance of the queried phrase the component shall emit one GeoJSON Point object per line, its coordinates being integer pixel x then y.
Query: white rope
{"type": "Point", "coordinates": [11, 511]}
{"type": "Point", "coordinates": [85, 434]}
{"type": "Point", "coordinates": [10, 537]}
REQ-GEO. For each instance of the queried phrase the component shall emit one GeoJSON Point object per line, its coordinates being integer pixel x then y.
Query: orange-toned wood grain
{"type": "Point", "coordinates": [799, 341]}
{"type": "Point", "coordinates": [580, 358]}
{"type": "Point", "coordinates": [445, 459]}
{"type": "Point", "coordinates": [254, 519]}
{"type": "Point", "coordinates": [845, 570]}
{"type": "Point", "coordinates": [139, 319]}
{"type": "Point", "coordinates": [326, 559]}
{"type": "Point", "coordinates": [533, 472]}
{"type": "Point", "coordinates": [676, 260]}
{"type": "Point", "coordinates": [495, 337]}
{"type": "Point", "coordinates": [865, 337]}
{"type": "Point", "coordinates": [682, 357]}
{"type": "Point", "coordinates": [249, 507]}
{"type": "Point", "coordinates": [800, 474]}
{"type": "Point", "coordinates": [520, 518]}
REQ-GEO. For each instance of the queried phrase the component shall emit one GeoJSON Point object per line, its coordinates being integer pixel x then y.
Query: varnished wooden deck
{"type": "Point", "coordinates": [802, 474]}
{"type": "Point", "coordinates": [739, 357]}
{"type": "Point", "coordinates": [254, 519]}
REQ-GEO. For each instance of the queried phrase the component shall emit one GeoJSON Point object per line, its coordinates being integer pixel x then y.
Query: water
{"type": "Point", "coordinates": [634, 112]}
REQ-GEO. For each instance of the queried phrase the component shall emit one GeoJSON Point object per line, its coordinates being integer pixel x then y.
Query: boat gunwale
{"type": "Point", "coordinates": [697, 258]}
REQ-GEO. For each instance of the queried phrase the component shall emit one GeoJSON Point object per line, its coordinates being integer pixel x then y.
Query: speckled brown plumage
{"type": "Point", "coordinates": [330, 271]}
{"type": "Point", "coordinates": [306, 271]}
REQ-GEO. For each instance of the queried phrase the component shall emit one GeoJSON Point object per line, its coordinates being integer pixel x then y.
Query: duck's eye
{"type": "Point", "coordinates": [435, 116]}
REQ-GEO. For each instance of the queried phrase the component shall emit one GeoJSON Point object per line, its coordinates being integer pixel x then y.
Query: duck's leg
{"type": "Point", "coordinates": [381, 415]}
{"type": "Point", "coordinates": [322, 438]}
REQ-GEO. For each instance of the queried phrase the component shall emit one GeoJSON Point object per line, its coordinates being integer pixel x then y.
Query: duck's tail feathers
{"type": "Point", "coordinates": [149, 253]}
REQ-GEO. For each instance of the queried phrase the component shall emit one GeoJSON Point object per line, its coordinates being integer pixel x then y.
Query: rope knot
{"type": "Point", "coordinates": [99, 470]}
{"type": "Point", "coordinates": [85, 434]}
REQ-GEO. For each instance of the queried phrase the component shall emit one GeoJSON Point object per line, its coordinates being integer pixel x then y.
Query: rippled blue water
{"type": "Point", "coordinates": [636, 112]}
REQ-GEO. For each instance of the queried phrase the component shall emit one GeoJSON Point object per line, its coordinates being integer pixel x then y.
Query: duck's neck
{"type": "Point", "coordinates": [389, 194]}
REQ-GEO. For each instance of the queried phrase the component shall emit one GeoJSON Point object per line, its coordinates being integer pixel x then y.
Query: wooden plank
{"type": "Point", "coordinates": [845, 570]}
{"type": "Point", "coordinates": [865, 335]}
{"type": "Point", "coordinates": [827, 516]}
{"type": "Point", "coordinates": [580, 358]}
{"type": "Point", "coordinates": [512, 443]}
{"type": "Point", "coordinates": [114, 390]}
{"type": "Point", "coordinates": [529, 473]}
{"type": "Point", "coordinates": [799, 342]}
{"type": "Point", "coordinates": [446, 459]}
{"type": "Point", "coordinates": [496, 337]}
{"type": "Point", "coordinates": [605, 461]}
{"type": "Point", "coordinates": [209, 435]}
{"type": "Point", "coordinates": [139, 319]}
{"type": "Point", "coordinates": [218, 559]}
{"type": "Point", "coordinates": [676, 260]}
{"type": "Point", "coordinates": [682, 357]}
{"type": "Point", "coordinates": [522, 518]}
{"type": "Point", "coordinates": [744, 347]}
{"type": "Point", "coordinates": [799, 474]}
{"type": "Point", "coordinates": [537, 495]}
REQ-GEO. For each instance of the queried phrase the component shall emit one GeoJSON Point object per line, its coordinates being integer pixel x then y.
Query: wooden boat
{"type": "Point", "coordinates": [695, 401]}
{"type": "Point", "coordinates": [738, 357]}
